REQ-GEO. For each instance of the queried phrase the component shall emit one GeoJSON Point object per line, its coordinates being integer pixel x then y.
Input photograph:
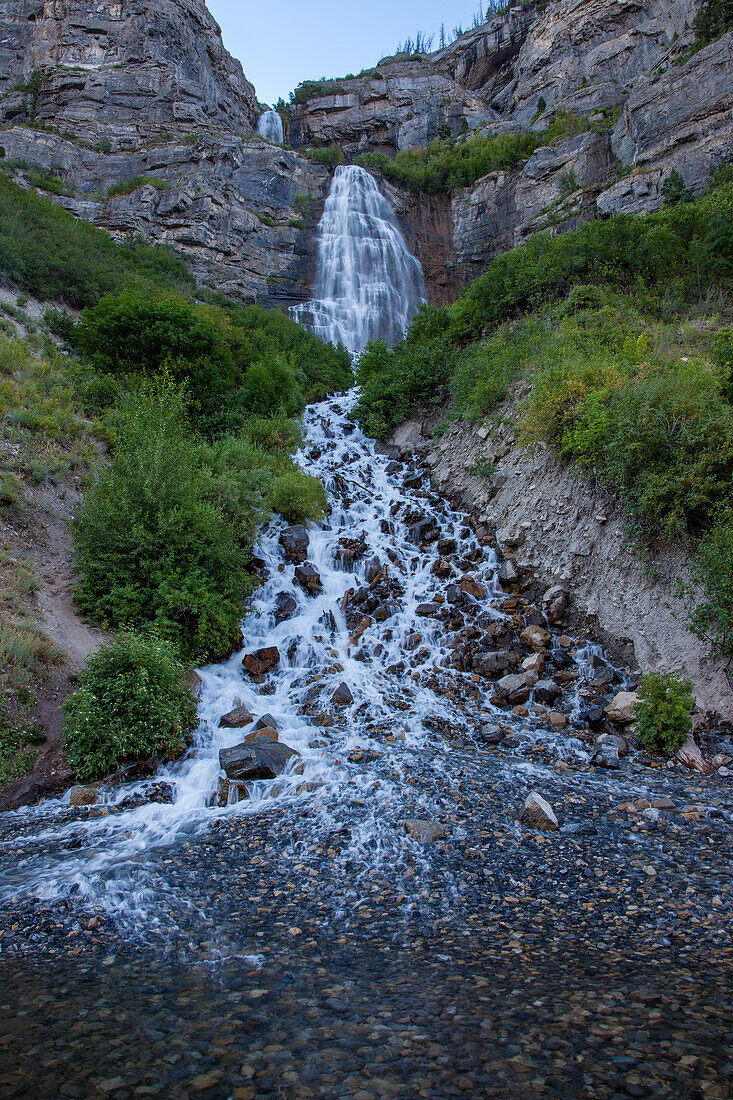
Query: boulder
{"type": "Point", "coordinates": [285, 606]}
{"type": "Point", "coordinates": [235, 719]}
{"type": "Point", "coordinates": [537, 813]}
{"type": "Point", "coordinates": [555, 603]}
{"type": "Point", "coordinates": [426, 610]}
{"type": "Point", "coordinates": [294, 542]}
{"type": "Point", "coordinates": [471, 587]}
{"type": "Point", "coordinates": [534, 663]}
{"type": "Point", "coordinates": [621, 709]}
{"type": "Point", "coordinates": [492, 664]}
{"type": "Point", "coordinates": [447, 547]}
{"type": "Point", "coordinates": [257, 759]}
{"type": "Point", "coordinates": [265, 722]}
{"type": "Point", "coordinates": [226, 788]}
{"type": "Point", "coordinates": [508, 572]}
{"type": "Point", "coordinates": [615, 738]}
{"type": "Point", "coordinates": [372, 569]}
{"type": "Point", "coordinates": [264, 731]}
{"type": "Point", "coordinates": [424, 831]}
{"type": "Point", "coordinates": [342, 696]}
{"type": "Point", "coordinates": [492, 735]}
{"type": "Point", "coordinates": [262, 661]}
{"type": "Point", "coordinates": [84, 796]}
{"type": "Point", "coordinates": [691, 756]}
{"type": "Point", "coordinates": [536, 638]}
{"type": "Point", "coordinates": [516, 687]}
{"type": "Point", "coordinates": [308, 579]}
{"type": "Point", "coordinates": [605, 755]}
{"type": "Point", "coordinates": [547, 692]}
{"type": "Point", "coordinates": [422, 532]}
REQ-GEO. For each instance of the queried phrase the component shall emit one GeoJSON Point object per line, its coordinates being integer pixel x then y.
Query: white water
{"type": "Point", "coordinates": [270, 126]}
{"type": "Point", "coordinates": [368, 285]}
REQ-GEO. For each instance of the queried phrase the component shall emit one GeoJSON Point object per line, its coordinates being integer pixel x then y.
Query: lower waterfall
{"type": "Point", "coordinates": [368, 285]}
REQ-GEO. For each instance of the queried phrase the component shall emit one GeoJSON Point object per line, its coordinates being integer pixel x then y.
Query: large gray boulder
{"type": "Point", "coordinates": [258, 759]}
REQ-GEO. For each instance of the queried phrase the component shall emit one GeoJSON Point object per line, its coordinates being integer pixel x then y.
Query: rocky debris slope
{"type": "Point", "coordinates": [558, 534]}
{"type": "Point", "coordinates": [147, 102]}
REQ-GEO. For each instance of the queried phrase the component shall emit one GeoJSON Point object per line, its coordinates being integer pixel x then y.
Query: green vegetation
{"type": "Point", "coordinates": [330, 156]}
{"type": "Point", "coordinates": [127, 187]}
{"type": "Point", "coordinates": [444, 164]}
{"type": "Point", "coordinates": [621, 328]}
{"type": "Point", "coordinates": [165, 531]}
{"type": "Point", "coordinates": [713, 19]}
{"type": "Point", "coordinates": [315, 89]}
{"type": "Point", "coordinates": [132, 703]}
{"type": "Point", "coordinates": [49, 253]}
{"type": "Point", "coordinates": [663, 712]}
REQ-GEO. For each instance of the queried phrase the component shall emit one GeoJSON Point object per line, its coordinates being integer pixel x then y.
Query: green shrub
{"type": "Point", "coordinates": [270, 386]}
{"type": "Point", "coordinates": [663, 712]}
{"type": "Point", "coordinates": [713, 19]}
{"type": "Point", "coordinates": [674, 189]}
{"type": "Point", "coordinates": [164, 532]}
{"type": "Point", "coordinates": [51, 254]}
{"type": "Point", "coordinates": [298, 497]}
{"type": "Point", "coordinates": [330, 156]}
{"type": "Point", "coordinates": [128, 187]}
{"type": "Point", "coordinates": [710, 593]}
{"type": "Point", "coordinates": [394, 380]}
{"type": "Point", "coordinates": [315, 89]}
{"type": "Point", "coordinates": [131, 704]}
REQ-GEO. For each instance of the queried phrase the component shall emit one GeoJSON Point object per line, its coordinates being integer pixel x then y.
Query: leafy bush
{"type": "Point", "coordinates": [663, 712]}
{"type": "Point", "coordinates": [131, 704]}
{"type": "Point", "coordinates": [712, 585]}
{"type": "Point", "coordinates": [298, 497]}
{"type": "Point", "coordinates": [330, 156]}
{"type": "Point", "coordinates": [394, 380]}
{"type": "Point", "coordinates": [443, 166]}
{"type": "Point", "coordinates": [53, 255]}
{"type": "Point", "coordinates": [128, 187]}
{"type": "Point", "coordinates": [163, 536]}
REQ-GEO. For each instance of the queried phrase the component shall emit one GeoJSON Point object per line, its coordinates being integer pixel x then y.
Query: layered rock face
{"type": "Point", "coordinates": [103, 94]}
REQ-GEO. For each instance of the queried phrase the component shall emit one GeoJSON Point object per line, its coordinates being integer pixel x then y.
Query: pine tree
{"type": "Point", "coordinates": [442, 36]}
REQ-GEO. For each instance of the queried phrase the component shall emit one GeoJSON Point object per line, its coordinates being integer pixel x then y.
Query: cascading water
{"type": "Point", "coordinates": [368, 285]}
{"type": "Point", "coordinates": [383, 622]}
{"type": "Point", "coordinates": [270, 127]}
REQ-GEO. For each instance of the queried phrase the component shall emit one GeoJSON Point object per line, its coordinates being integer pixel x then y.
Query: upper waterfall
{"type": "Point", "coordinates": [270, 126]}
{"type": "Point", "coordinates": [368, 285]}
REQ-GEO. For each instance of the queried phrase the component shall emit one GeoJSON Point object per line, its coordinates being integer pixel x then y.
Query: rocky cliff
{"type": "Point", "coordinates": [144, 99]}
{"type": "Point", "coordinates": [122, 93]}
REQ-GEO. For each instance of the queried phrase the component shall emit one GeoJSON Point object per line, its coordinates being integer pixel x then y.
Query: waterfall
{"type": "Point", "coordinates": [368, 285]}
{"type": "Point", "coordinates": [270, 126]}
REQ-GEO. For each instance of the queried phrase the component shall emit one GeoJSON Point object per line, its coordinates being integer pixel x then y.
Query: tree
{"type": "Point", "coordinates": [442, 36]}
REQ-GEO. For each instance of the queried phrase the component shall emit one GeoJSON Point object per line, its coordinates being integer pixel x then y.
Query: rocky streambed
{"type": "Point", "coordinates": [414, 851]}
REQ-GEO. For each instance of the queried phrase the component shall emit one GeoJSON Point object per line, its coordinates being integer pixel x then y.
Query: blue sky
{"type": "Point", "coordinates": [280, 44]}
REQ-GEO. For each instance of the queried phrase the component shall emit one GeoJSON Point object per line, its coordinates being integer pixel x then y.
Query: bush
{"type": "Point", "coordinates": [663, 712]}
{"type": "Point", "coordinates": [330, 156]}
{"type": "Point", "coordinates": [712, 579]}
{"type": "Point", "coordinates": [298, 497]}
{"type": "Point", "coordinates": [51, 254]}
{"type": "Point", "coordinates": [131, 704]}
{"type": "Point", "coordinates": [164, 532]}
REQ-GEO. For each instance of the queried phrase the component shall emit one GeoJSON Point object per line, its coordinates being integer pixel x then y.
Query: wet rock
{"type": "Point", "coordinates": [265, 722]}
{"type": "Point", "coordinates": [235, 719]}
{"type": "Point", "coordinates": [537, 813]}
{"type": "Point", "coordinates": [621, 709]}
{"type": "Point", "coordinates": [592, 716]}
{"type": "Point", "coordinates": [426, 610]}
{"type": "Point", "coordinates": [308, 578]}
{"type": "Point", "coordinates": [615, 738]}
{"type": "Point", "coordinates": [453, 594]}
{"type": "Point", "coordinates": [372, 570]}
{"type": "Point", "coordinates": [547, 692]}
{"type": "Point", "coordinates": [294, 542]}
{"type": "Point", "coordinates": [492, 664]}
{"type": "Point", "coordinates": [557, 719]}
{"type": "Point", "coordinates": [265, 731]}
{"type": "Point", "coordinates": [555, 603]}
{"type": "Point", "coordinates": [342, 696]}
{"type": "Point", "coordinates": [350, 550]}
{"type": "Point", "coordinates": [386, 611]}
{"type": "Point", "coordinates": [84, 796]}
{"type": "Point", "coordinates": [516, 687]}
{"type": "Point", "coordinates": [534, 663]}
{"type": "Point", "coordinates": [262, 661]}
{"type": "Point", "coordinates": [508, 573]}
{"type": "Point", "coordinates": [160, 793]}
{"type": "Point", "coordinates": [226, 788]}
{"type": "Point", "coordinates": [471, 587]}
{"type": "Point", "coordinates": [257, 759]}
{"type": "Point", "coordinates": [285, 606]}
{"type": "Point", "coordinates": [691, 756]}
{"type": "Point", "coordinates": [422, 532]}
{"type": "Point", "coordinates": [447, 547]}
{"type": "Point", "coordinates": [424, 831]}
{"type": "Point", "coordinates": [492, 735]}
{"type": "Point", "coordinates": [605, 755]}
{"type": "Point", "coordinates": [535, 637]}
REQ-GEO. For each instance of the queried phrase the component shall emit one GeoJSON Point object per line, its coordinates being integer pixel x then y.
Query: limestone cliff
{"type": "Point", "coordinates": [145, 96]}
